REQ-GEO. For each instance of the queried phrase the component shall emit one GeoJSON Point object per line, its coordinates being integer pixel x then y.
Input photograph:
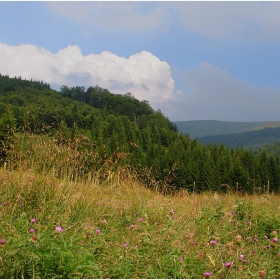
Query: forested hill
{"type": "Point", "coordinates": [127, 132]}
{"type": "Point", "coordinates": [247, 140]}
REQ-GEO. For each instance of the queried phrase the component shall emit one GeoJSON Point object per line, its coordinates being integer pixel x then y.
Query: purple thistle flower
{"type": "Point", "coordinates": [241, 256]}
{"type": "Point", "coordinates": [207, 274]}
{"type": "Point", "coordinates": [265, 237]}
{"type": "Point", "coordinates": [125, 245]}
{"type": "Point", "coordinates": [97, 231]}
{"type": "Point", "coordinates": [181, 259]}
{"type": "Point", "coordinates": [5, 203]}
{"type": "Point", "coordinates": [31, 230]}
{"type": "Point", "coordinates": [244, 261]}
{"type": "Point", "coordinates": [2, 241]}
{"type": "Point", "coordinates": [228, 264]}
{"type": "Point", "coordinates": [140, 219]}
{"type": "Point", "coordinates": [268, 246]}
{"type": "Point", "coordinates": [132, 226]}
{"type": "Point", "coordinates": [256, 239]}
{"type": "Point", "coordinates": [32, 221]}
{"type": "Point", "coordinates": [213, 242]}
{"type": "Point", "coordinates": [275, 240]}
{"type": "Point", "coordinates": [59, 229]}
{"type": "Point", "coordinates": [274, 233]}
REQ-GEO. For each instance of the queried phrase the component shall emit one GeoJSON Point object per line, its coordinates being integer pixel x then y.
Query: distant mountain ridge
{"type": "Point", "coordinates": [202, 128]}
{"type": "Point", "coordinates": [247, 140]}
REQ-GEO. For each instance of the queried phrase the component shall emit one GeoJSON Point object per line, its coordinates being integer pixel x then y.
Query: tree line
{"type": "Point", "coordinates": [120, 122]}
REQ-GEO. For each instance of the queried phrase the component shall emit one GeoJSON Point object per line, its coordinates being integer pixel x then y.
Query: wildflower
{"type": "Point", "coordinates": [238, 239]}
{"type": "Point", "coordinates": [256, 239]}
{"type": "Point", "coordinates": [97, 231]}
{"type": "Point", "coordinates": [265, 237]}
{"type": "Point", "coordinates": [59, 229]}
{"type": "Point", "coordinates": [192, 242]}
{"type": "Point", "coordinates": [172, 212]}
{"type": "Point", "coordinates": [32, 221]}
{"type": "Point", "coordinates": [35, 237]}
{"type": "Point", "coordinates": [2, 241]}
{"type": "Point", "coordinates": [132, 226]}
{"type": "Point", "coordinates": [140, 219]}
{"type": "Point", "coordinates": [232, 212]}
{"type": "Point", "coordinates": [181, 259]}
{"type": "Point", "coordinates": [207, 274]}
{"type": "Point", "coordinates": [213, 242]}
{"type": "Point", "coordinates": [228, 264]}
{"type": "Point", "coordinates": [88, 235]}
{"type": "Point", "coordinates": [274, 233]}
{"type": "Point", "coordinates": [241, 256]}
{"type": "Point", "coordinates": [268, 246]}
{"type": "Point", "coordinates": [275, 240]}
{"type": "Point", "coordinates": [31, 230]}
{"type": "Point", "coordinates": [244, 261]}
{"type": "Point", "coordinates": [125, 245]}
{"type": "Point", "coordinates": [5, 203]}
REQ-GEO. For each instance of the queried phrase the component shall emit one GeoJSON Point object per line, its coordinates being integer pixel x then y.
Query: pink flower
{"type": "Point", "coordinates": [97, 231]}
{"type": "Point", "coordinates": [59, 229]}
{"type": "Point", "coordinates": [132, 226]}
{"type": "Point", "coordinates": [241, 256]}
{"type": "Point", "coordinates": [181, 259]}
{"type": "Point", "coordinates": [31, 230]}
{"type": "Point", "coordinates": [275, 240]}
{"type": "Point", "coordinates": [207, 274]}
{"type": "Point", "coordinates": [213, 242]}
{"type": "Point", "coordinates": [265, 237]}
{"type": "Point", "coordinates": [125, 245]}
{"type": "Point", "coordinates": [228, 264]}
{"type": "Point", "coordinates": [172, 212]}
{"type": "Point", "coordinates": [32, 221]}
{"type": "Point", "coordinates": [140, 219]}
{"type": "Point", "coordinates": [2, 241]}
{"type": "Point", "coordinates": [5, 203]}
{"type": "Point", "coordinates": [274, 233]}
{"type": "Point", "coordinates": [244, 261]}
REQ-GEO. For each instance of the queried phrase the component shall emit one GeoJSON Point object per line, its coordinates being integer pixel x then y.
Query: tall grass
{"type": "Point", "coordinates": [58, 222]}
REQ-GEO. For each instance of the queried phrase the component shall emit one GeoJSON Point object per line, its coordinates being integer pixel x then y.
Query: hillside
{"type": "Point", "coordinates": [247, 140]}
{"type": "Point", "coordinates": [211, 127]}
{"type": "Point", "coordinates": [105, 132]}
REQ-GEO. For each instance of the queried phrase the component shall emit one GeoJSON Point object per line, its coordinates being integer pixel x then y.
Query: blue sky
{"type": "Point", "coordinates": [191, 60]}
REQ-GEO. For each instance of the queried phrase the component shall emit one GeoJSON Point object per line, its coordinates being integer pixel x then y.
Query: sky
{"type": "Point", "coordinates": [191, 60]}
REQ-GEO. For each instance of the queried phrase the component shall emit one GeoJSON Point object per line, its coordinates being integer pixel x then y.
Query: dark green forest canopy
{"type": "Point", "coordinates": [120, 122]}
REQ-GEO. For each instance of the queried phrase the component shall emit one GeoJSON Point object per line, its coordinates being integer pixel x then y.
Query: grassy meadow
{"type": "Point", "coordinates": [58, 222]}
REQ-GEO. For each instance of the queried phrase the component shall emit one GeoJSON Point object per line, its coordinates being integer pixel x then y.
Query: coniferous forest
{"type": "Point", "coordinates": [122, 129]}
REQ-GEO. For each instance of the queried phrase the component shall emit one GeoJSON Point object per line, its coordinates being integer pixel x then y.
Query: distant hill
{"type": "Point", "coordinates": [247, 139]}
{"type": "Point", "coordinates": [201, 128]}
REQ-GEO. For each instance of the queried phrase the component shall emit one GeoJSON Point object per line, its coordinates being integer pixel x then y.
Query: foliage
{"type": "Point", "coordinates": [101, 129]}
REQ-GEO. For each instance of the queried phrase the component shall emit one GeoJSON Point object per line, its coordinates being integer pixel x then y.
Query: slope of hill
{"type": "Point", "coordinates": [211, 127]}
{"type": "Point", "coordinates": [100, 129]}
{"type": "Point", "coordinates": [247, 139]}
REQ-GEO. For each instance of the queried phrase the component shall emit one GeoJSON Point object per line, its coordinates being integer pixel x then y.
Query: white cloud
{"type": "Point", "coordinates": [235, 20]}
{"type": "Point", "coordinates": [213, 93]}
{"type": "Point", "coordinates": [112, 16]}
{"type": "Point", "coordinates": [143, 74]}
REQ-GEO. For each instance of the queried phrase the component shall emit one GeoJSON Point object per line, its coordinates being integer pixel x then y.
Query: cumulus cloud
{"type": "Point", "coordinates": [238, 21]}
{"type": "Point", "coordinates": [213, 93]}
{"type": "Point", "coordinates": [142, 74]}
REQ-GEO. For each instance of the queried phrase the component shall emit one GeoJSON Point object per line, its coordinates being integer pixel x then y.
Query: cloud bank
{"type": "Point", "coordinates": [214, 94]}
{"type": "Point", "coordinates": [234, 20]}
{"type": "Point", "coordinates": [142, 74]}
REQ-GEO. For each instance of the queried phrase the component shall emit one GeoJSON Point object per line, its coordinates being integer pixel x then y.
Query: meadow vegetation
{"type": "Point", "coordinates": [58, 222]}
